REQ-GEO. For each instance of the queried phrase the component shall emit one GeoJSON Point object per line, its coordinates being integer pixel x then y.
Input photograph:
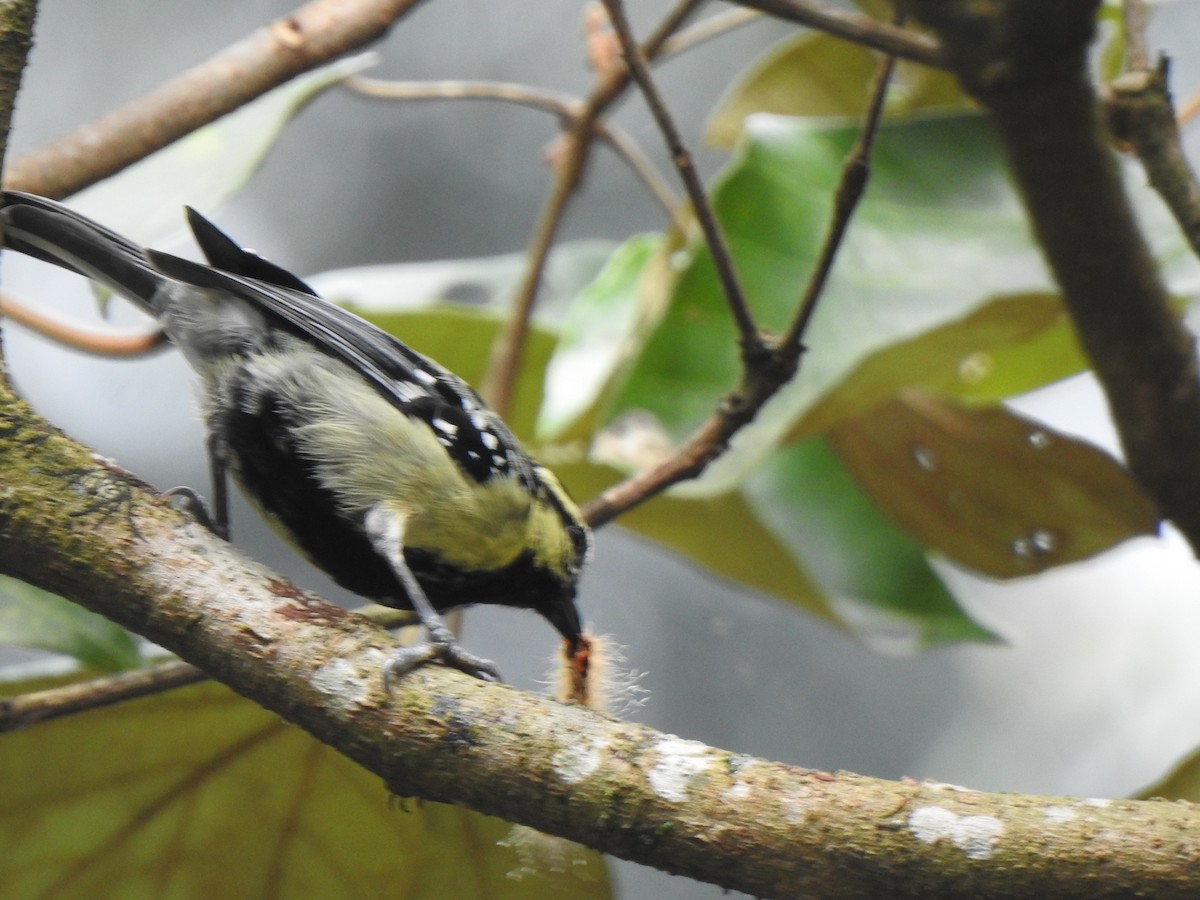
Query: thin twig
{"type": "Point", "coordinates": [751, 342]}
{"type": "Point", "coordinates": [1137, 57]}
{"type": "Point", "coordinates": [760, 381]}
{"type": "Point", "coordinates": [856, 28]}
{"type": "Point", "coordinates": [711, 27]}
{"type": "Point", "coordinates": [307, 38]}
{"type": "Point", "coordinates": [505, 362]}
{"type": "Point", "coordinates": [560, 104]}
{"type": "Point", "coordinates": [1140, 114]}
{"type": "Point", "coordinates": [80, 337]}
{"type": "Point", "coordinates": [54, 703]}
{"type": "Point", "coordinates": [851, 186]}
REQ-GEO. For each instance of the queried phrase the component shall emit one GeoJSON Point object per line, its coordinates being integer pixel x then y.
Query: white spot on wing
{"type": "Point", "coordinates": [409, 391]}
{"type": "Point", "coordinates": [443, 425]}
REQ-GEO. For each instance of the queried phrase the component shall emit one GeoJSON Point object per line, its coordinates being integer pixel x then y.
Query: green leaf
{"type": "Point", "coordinates": [39, 620]}
{"type": "Point", "coordinates": [818, 75]}
{"type": "Point", "coordinates": [1181, 783]}
{"type": "Point", "coordinates": [991, 490]}
{"type": "Point", "coordinates": [600, 332]}
{"type": "Point", "coordinates": [1005, 347]}
{"type": "Point", "coordinates": [199, 793]}
{"type": "Point", "coordinates": [875, 577]}
{"type": "Point", "coordinates": [938, 233]}
{"type": "Point", "coordinates": [723, 534]}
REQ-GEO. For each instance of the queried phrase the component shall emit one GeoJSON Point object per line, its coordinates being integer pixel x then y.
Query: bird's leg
{"type": "Point", "coordinates": [186, 500]}
{"type": "Point", "coordinates": [386, 531]}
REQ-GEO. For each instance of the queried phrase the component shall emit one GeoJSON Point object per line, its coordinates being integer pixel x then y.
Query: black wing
{"type": "Point", "coordinates": [474, 436]}
{"type": "Point", "coordinates": [227, 255]}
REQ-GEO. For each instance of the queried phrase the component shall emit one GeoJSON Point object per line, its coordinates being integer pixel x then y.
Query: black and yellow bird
{"type": "Point", "coordinates": [386, 470]}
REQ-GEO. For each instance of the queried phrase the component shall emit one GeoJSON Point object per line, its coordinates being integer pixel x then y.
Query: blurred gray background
{"type": "Point", "coordinates": [1097, 691]}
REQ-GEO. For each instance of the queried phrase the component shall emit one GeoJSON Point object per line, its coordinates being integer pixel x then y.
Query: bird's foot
{"type": "Point", "coordinates": [187, 501]}
{"type": "Point", "coordinates": [448, 652]}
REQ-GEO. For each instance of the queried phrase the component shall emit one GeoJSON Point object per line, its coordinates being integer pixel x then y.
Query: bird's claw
{"type": "Point", "coordinates": [450, 653]}
{"type": "Point", "coordinates": [187, 501]}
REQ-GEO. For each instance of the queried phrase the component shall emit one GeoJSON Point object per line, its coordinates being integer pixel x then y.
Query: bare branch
{"type": "Point", "coordinates": [854, 27]}
{"type": "Point", "coordinates": [752, 344]}
{"type": "Point", "coordinates": [310, 37]}
{"type": "Point", "coordinates": [852, 184]}
{"type": "Point", "coordinates": [765, 375]}
{"type": "Point", "coordinates": [506, 352]}
{"type": "Point", "coordinates": [714, 26]}
{"type": "Point", "coordinates": [88, 338]}
{"type": "Point", "coordinates": [564, 106]}
{"type": "Point", "coordinates": [54, 703]}
{"type": "Point", "coordinates": [1141, 114]}
{"type": "Point", "coordinates": [766, 828]}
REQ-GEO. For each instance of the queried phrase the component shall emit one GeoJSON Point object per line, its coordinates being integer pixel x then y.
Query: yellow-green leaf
{"type": "Point", "coordinates": [1181, 783]}
{"type": "Point", "coordinates": [723, 533]}
{"type": "Point", "coordinates": [818, 75]}
{"type": "Point", "coordinates": [200, 793]}
{"type": "Point", "coordinates": [1007, 346]}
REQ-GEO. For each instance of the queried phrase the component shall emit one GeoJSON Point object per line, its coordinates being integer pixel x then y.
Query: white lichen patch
{"type": "Point", "coordinates": [797, 805]}
{"type": "Point", "coordinates": [1097, 802]}
{"type": "Point", "coordinates": [975, 836]}
{"type": "Point", "coordinates": [539, 854]}
{"type": "Point", "coordinates": [1060, 814]}
{"type": "Point", "coordinates": [573, 764]}
{"type": "Point", "coordinates": [679, 762]}
{"type": "Point", "coordinates": [338, 678]}
{"type": "Point", "coordinates": [737, 791]}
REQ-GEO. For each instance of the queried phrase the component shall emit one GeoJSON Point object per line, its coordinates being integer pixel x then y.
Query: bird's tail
{"type": "Point", "coordinates": [50, 231]}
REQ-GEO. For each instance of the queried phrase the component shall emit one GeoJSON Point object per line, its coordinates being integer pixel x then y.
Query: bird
{"type": "Point", "coordinates": [382, 467]}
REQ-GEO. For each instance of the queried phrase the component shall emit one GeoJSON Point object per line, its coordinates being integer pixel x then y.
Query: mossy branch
{"type": "Point", "coordinates": [747, 824]}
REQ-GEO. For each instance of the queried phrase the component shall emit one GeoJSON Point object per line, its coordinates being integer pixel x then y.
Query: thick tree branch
{"type": "Point", "coordinates": [310, 37]}
{"type": "Point", "coordinates": [748, 824]}
{"type": "Point", "coordinates": [1026, 61]}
